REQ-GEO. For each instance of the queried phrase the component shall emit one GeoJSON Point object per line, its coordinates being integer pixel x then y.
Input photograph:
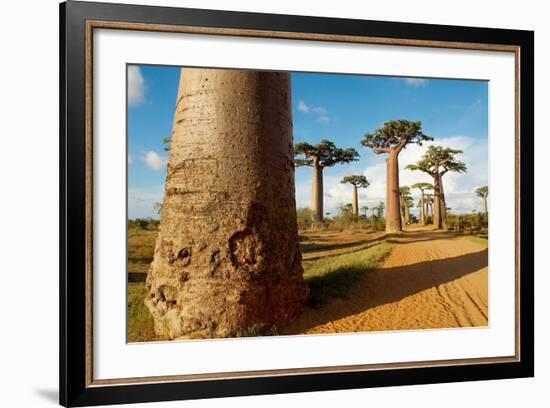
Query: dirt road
{"type": "Point", "coordinates": [429, 280]}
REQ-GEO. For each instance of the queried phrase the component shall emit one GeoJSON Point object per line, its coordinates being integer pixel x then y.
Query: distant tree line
{"type": "Point", "coordinates": [390, 139]}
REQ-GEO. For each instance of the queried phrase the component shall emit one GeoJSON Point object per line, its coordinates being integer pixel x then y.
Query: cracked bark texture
{"type": "Point", "coordinates": [227, 256]}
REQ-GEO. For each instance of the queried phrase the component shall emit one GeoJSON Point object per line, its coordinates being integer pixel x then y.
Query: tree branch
{"type": "Point", "coordinates": [379, 150]}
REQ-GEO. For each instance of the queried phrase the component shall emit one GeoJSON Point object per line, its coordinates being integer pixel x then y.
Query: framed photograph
{"type": "Point", "coordinates": [256, 204]}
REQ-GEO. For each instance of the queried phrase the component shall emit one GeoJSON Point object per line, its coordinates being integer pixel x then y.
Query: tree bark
{"type": "Point", "coordinates": [227, 256]}
{"type": "Point", "coordinates": [317, 191]}
{"type": "Point", "coordinates": [393, 216]}
{"type": "Point", "coordinates": [422, 213]}
{"type": "Point", "coordinates": [485, 204]}
{"type": "Point", "coordinates": [443, 205]}
{"type": "Point", "coordinates": [437, 201]}
{"type": "Point", "coordinates": [355, 202]}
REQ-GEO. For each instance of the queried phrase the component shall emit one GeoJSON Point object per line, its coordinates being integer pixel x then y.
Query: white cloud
{"type": "Point", "coordinates": [130, 159]}
{"type": "Point", "coordinates": [458, 187]}
{"type": "Point", "coordinates": [154, 161]}
{"type": "Point", "coordinates": [416, 82]}
{"type": "Point", "coordinates": [302, 107]}
{"type": "Point", "coordinates": [319, 111]}
{"type": "Point", "coordinates": [136, 86]}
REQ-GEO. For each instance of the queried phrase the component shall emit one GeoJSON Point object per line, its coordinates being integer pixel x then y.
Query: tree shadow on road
{"type": "Point", "coordinates": [316, 247]}
{"type": "Point", "coordinates": [388, 285]}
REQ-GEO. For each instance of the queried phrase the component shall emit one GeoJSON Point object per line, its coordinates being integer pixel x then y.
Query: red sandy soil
{"type": "Point", "coordinates": [429, 280]}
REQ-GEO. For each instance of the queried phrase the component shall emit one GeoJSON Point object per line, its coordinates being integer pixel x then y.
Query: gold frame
{"type": "Point", "coordinates": [98, 24]}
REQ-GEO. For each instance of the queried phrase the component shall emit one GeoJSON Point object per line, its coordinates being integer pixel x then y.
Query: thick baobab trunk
{"type": "Point", "coordinates": [484, 205]}
{"type": "Point", "coordinates": [393, 216]}
{"type": "Point", "coordinates": [443, 204]}
{"type": "Point", "coordinates": [403, 213]}
{"type": "Point", "coordinates": [422, 212]}
{"type": "Point", "coordinates": [227, 256]}
{"type": "Point", "coordinates": [437, 201]}
{"type": "Point", "coordinates": [355, 202]}
{"type": "Point", "coordinates": [317, 192]}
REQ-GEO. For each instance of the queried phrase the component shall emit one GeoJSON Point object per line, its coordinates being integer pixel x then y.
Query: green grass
{"type": "Point", "coordinates": [141, 245]}
{"type": "Point", "coordinates": [140, 322]}
{"type": "Point", "coordinates": [335, 276]}
{"type": "Point", "coordinates": [329, 277]}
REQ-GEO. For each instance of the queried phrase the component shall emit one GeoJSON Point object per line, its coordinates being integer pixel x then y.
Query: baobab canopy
{"type": "Point", "coordinates": [395, 134]}
{"type": "Point", "coordinates": [406, 197]}
{"type": "Point", "coordinates": [423, 186]}
{"type": "Point", "coordinates": [482, 191]}
{"type": "Point", "coordinates": [438, 156]}
{"type": "Point", "coordinates": [357, 181]}
{"type": "Point", "coordinates": [324, 154]}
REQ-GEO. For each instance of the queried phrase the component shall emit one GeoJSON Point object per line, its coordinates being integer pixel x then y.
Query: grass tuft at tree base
{"type": "Point", "coordinates": [335, 276]}
{"type": "Point", "coordinates": [140, 321]}
{"type": "Point", "coordinates": [332, 276]}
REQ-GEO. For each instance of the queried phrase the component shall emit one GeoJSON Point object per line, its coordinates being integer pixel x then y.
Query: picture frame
{"type": "Point", "coordinates": [78, 20]}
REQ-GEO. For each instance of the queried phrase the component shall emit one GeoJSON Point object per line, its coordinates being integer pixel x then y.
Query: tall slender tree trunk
{"type": "Point", "coordinates": [422, 213]}
{"type": "Point", "coordinates": [427, 210]}
{"type": "Point", "coordinates": [485, 204]}
{"type": "Point", "coordinates": [393, 216]}
{"type": "Point", "coordinates": [317, 191]}
{"type": "Point", "coordinates": [227, 255]}
{"type": "Point", "coordinates": [355, 202]}
{"type": "Point", "coordinates": [443, 204]}
{"type": "Point", "coordinates": [437, 201]}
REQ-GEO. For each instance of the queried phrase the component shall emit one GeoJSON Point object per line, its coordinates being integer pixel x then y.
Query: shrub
{"type": "Point", "coordinates": [305, 218]}
{"type": "Point", "coordinates": [467, 223]}
{"type": "Point", "coordinates": [144, 223]}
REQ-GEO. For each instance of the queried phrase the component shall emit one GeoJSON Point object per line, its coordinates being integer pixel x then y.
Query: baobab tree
{"type": "Point", "coordinates": [483, 192]}
{"type": "Point", "coordinates": [365, 210]}
{"type": "Point", "coordinates": [423, 187]}
{"type": "Point", "coordinates": [319, 156]}
{"type": "Point", "coordinates": [391, 139]}
{"type": "Point", "coordinates": [380, 209]}
{"type": "Point", "coordinates": [421, 207]}
{"type": "Point", "coordinates": [429, 205]}
{"type": "Point", "coordinates": [357, 182]}
{"type": "Point", "coordinates": [436, 162]}
{"type": "Point", "coordinates": [406, 202]}
{"type": "Point", "coordinates": [227, 255]}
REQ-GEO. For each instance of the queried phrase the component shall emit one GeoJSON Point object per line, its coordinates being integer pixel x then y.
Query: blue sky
{"type": "Point", "coordinates": [327, 106]}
